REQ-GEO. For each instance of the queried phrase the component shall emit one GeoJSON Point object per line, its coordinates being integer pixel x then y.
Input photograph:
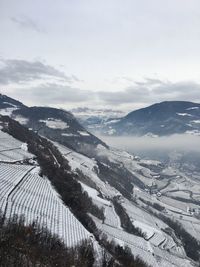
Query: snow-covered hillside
{"type": "Point", "coordinates": [8, 105]}
{"type": "Point", "coordinates": [159, 247]}
{"type": "Point", "coordinates": [160, 119]}
{"type": "Point", "coordinates": [24, 192]}
{"type": "Point", "coordinates": [138, 203]}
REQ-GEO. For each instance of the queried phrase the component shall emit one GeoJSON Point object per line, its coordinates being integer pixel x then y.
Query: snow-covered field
{"type": "Point", "coordinates": [12, 150]}
{"type": "Point", "coordinates": [22, 120]}
{"type": "Point", "coordinates": [55, 124]}
{"type": "Point", "coordinates": [27, 194]}
{"type": "Point", "coordinates": [24, 192]}
{"type": "Point", "coordinates": [89, 168]}
{"type": "Point", "coordinates": [151, 254]}
{"type": "Point", "coordinates": [168, 252]}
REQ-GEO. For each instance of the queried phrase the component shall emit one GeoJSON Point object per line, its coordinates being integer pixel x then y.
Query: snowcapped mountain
{"type": "Point", "coordinates": [143, 204]}
{"type": "Point", "coordinates": [94, 118]}
{"type": "Point", "coordinates": [166, 118]}
{"type": "Point", "coordinates": [103, 114]}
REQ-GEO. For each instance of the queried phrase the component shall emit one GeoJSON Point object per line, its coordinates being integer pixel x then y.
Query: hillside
{"type": "Point", "coordinates": [26, 191]}
{"type": "Point", "coordinates": [8, 105]}
{"type": "Point", "coordinates": [166, 118]}
{"type": "Point", "coordinates": [141, 204]}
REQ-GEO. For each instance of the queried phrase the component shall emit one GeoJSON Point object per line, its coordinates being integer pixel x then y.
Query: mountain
{"type": "Point", "coordinates": [85, 113]}
{"type": "Point", "coordinates": [166, 118]}
{"type": "Point", "coordinates": [8, 105]}
{"type": "Point", "coordinates": [90, 117]}
{"type": "Point", "coordinates": [58, 125]}
{"type": "Point", "coordinates": [106, 193]}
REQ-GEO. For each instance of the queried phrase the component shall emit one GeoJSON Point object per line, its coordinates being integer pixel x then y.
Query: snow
{"type": "Point", "coordinates": [10, 104]}
{"type": "Point", "coordinates": [141, 218]}
{"type": "Point", "coordinates": [24, 147]}
{"type": "Point", "coordinates": [37, 200]}
{"type": "Point", "coordinates": [93, 193]}
{"type": "Point", "coordinates": [22, 120]}
{"type": "Point", "coordinates": [150, 162]}
{"type": "Point", "coordinates": [88, 167]}
{"type": "Point", "coordinates": [55, 123]}
{"type": "Point", "coordinates": [83, 133]}
{"type": "Point", "coordinates": [111, 217]}
{"type": "Point", "coordinates": [196, 121]}
{"type": "Point", "coordinates": [184, 114]}
{"type": "Point", "coordinates": [7, 111]}
{"type": "Point", "coordinates": [169, 171]}
{"type": "Point", "coordinates": [142, 248]}
{"type": "Point", "coordinates": [36, 170]}
{"type": "Point", "coordinates": [68, 134]}
{"type": "Point", "coordinates": [148, 230]}
{"type": "Point", "coordinates": [111, 121]}
{"type": "Point", "coordinates": [111, 131]}
{"type": "Point", "coordinates": [192, 108]}
{"type": "Point", "coordinates": [11, 150]}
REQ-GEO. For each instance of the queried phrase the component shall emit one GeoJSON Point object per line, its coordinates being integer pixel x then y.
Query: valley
{"type": "Point", "coordinates": [53, 166]}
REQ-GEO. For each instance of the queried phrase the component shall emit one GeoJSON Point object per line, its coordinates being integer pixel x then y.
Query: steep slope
{"type": "Point", "coordinates": [27, 191]}
{"type": "Point", "coordinates": [157, 243]}
{"type": "Point", "coordinates": [18, 249]}
{"type": "Point", "coordinates": [58, 125]}
{"type": "Point", "coordinates": [8, 105]}
{"type": "Point", "coordinates": [24, 192]}
{"type": "Point", "coordinates": [166, 118]}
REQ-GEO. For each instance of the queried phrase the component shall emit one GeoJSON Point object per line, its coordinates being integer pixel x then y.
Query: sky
{"type": "Point", "coordinates": [119, 54]}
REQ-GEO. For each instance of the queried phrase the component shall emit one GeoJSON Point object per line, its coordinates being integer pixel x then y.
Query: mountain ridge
{"type": "Point", "coordinates": [159, 119]}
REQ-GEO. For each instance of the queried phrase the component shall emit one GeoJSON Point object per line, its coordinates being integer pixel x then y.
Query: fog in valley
{"type": "Point", "coordinates": [176, 148]}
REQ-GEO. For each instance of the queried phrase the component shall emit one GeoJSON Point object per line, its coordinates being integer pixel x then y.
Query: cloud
{"type": "Point", "coordinates": [153, 90]}
{"type": "Point", "coordinates": [19, 71]}
{"type": "Point", "coordinates": [27, 23]}
{"type": "Point", "coordinates": [129, 95]}
{"type": "Point", "coordinates": [47, 84]}
{"type": "Point", "coordinates": [54, 94]}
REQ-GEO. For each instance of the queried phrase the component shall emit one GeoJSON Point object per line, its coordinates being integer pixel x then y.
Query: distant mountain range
{"type": "Point", "coordinates": [161, 119]}
{"type": "Point", "coordinates": [90, 116]}
{"type": "Point", "coordinates": [166, 118]}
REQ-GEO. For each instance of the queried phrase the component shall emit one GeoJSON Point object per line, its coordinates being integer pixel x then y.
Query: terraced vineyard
{"type": "Point", "coordinates": [30, 195]}
{"type": "Point", "coordinates": [155, 256]}
{"type": "Point", "coordinates": [158, 248]}
{"type": "Point", "coordinates": [24, 192]}
{"type": "Point", "coordinates": [12, 150]}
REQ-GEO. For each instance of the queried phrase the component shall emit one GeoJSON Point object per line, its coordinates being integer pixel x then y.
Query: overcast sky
{"type": "Point", "coordinates": [123, 54]}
